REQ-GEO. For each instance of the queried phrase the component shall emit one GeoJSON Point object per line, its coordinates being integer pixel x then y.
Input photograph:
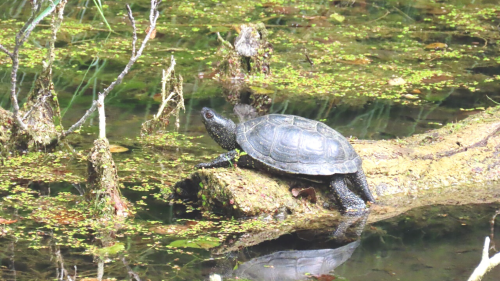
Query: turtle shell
{"type": "Point", "coordinates": [297, 145]}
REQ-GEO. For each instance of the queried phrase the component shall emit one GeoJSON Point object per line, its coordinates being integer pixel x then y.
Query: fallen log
{"type": "Point", "coordinates": [457, 164]}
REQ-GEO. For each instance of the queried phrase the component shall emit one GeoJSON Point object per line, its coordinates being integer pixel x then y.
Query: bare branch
{"type": "Point", "coordinates": [175, 96]}
{"type": "Point", "coordinates": [21, 37]}
{"type": "Point", "coordinates": [153, 12]}
{"type": "Point", "coordinates": [134, 58]}
{"type": "Point", "coordinates": [224, 42]}
{"type": "Point", "coordinates": [132, 21]}
{"type": "Point", "coordinates": [486, 263]}
{"type": "Point", "coordinates": [135, 55]}
{"type": "Point", "coordinates": [82, 120]}
{"type": "Point", "coordinates": [3, 49]}
{"type": "Point", "coordinates": [166, 75]}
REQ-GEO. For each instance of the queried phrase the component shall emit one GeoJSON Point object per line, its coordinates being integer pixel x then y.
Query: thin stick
{"type": "Point", "coordinates": [135, 55]}
{"type": "Point", "coordinates": [21, 37]}
{"type": "Point", "coordinates": [308, 58]}
{"type": "Point", "coordinates": [82, 120]}
{"type": "Point", "coordinates": [403, 13]}
{"type": "Point", "coordinates": [134, 58]}
{"type": "Point", "coordinates": [224, 42]}
{"type": "Point", "coordinates": [386, 13]}
{"type": "Point", "coordinates": [2, 48]}
{"type": "Point", "coordinates": [132, 21]}
{"type": "Point", "coordinates": [180, 104]}
{"type": "Point", "coordinates": [497, 103]}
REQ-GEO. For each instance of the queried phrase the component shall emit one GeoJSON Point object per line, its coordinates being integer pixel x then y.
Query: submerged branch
{"type": "Point", "coordinates": [130, 271]}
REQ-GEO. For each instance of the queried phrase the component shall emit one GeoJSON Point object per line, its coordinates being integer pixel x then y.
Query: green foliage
{"type": "Point", "coordinates": [355, 53]}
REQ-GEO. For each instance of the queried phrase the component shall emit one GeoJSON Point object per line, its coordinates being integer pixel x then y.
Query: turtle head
{"type": "Point", "coordinates": [222, 130]}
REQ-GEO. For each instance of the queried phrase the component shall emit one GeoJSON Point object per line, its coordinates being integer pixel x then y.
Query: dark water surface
{"type": "Point", "coordinates": [431, 243]}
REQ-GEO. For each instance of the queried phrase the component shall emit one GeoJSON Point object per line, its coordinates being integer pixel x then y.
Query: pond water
{"type": "Point", "coordinates": [432, 243]}
{"type": "Point", "coordinates": [356, 49]}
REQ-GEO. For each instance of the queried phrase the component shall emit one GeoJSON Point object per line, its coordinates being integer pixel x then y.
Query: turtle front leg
{"type": "Point", "coordinates": [348, 201]}
{"type": "Point", "coordinates": [223, 160]}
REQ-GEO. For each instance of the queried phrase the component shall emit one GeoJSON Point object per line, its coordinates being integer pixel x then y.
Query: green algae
{"type": "Point", "coordinates": [400, 52]}
{"type": "Point", "coordinates": [388, 47]}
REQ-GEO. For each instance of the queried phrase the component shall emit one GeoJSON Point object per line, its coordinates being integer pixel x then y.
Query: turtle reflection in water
{"type": "Point", "coordinates": [290, 144]}
{"type": "Point", "coordinates": [276, 260]}
{"type": "Point", "coordinates": [295, 265]}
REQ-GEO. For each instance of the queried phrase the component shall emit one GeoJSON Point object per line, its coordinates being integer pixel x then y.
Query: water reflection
{"type": "Point", "coordinates": [295, 265]}
{"type": "Point", "coordinates": [431, 243]}
{"type": "Point", "coordinates": [274, 259]}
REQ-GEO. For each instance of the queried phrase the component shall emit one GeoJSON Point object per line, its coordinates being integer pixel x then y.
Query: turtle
{"type": "Point", "coordinates": [289, 144]}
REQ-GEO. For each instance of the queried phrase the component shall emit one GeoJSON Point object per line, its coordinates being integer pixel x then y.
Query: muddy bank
{"type": "Point", "coordinates": [457, 164]}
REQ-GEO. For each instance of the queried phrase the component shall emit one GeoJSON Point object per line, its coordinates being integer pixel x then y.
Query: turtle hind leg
{"type": "Point", "coordinates": [359, 180]}
{"type": "Point", "coordinates": [349, 202]}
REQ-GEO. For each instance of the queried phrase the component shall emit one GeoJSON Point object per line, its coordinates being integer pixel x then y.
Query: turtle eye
{"type": "Point", "coordinates": [209, 115]}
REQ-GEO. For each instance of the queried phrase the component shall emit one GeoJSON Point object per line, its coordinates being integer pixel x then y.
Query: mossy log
{"type": "Point", "coordinates": [457, 164]}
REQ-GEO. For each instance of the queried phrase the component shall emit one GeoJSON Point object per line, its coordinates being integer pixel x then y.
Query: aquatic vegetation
{"type": "Point", "coordinates": [329, 58]}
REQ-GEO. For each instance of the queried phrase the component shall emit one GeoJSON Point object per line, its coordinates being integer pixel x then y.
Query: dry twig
{"type": "Point", "coordinates": [135, 55]}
